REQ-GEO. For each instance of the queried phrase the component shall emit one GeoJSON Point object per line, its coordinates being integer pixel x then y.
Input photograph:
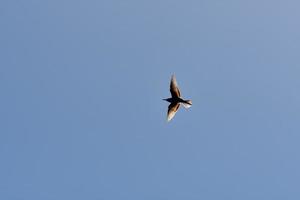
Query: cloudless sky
{"type": "Point", "coordinates": [81, 110]}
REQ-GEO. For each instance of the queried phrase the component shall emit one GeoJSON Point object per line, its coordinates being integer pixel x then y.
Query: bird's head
{"type": "Point", "coordinates": [168, 99]}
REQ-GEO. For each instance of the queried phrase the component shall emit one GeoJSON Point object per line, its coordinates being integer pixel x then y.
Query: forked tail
{"type": "Point", "coordinates": [187, 103]}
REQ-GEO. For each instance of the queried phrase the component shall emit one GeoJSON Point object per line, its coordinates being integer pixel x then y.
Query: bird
{"type": "Point", "coordinates": [176, 99]}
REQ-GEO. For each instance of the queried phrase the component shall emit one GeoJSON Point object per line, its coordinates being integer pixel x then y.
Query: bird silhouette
{"type": "Point", "coordinates": [176, 99]}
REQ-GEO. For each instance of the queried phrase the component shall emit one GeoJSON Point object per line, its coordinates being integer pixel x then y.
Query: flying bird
{"type": "Point", "coordinates": [176, 99]}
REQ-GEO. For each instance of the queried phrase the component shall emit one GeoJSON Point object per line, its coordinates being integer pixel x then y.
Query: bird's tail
{"type": "Point", "coordinates": [187, 103]}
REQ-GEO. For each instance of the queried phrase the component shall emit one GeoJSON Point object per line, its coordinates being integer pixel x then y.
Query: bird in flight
{"type": "Point", "coordinates": [176, 99]}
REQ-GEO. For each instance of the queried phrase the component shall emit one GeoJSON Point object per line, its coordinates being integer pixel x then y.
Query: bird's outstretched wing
{"type": "Point", "coordinates": [172, 109]}
{"type": "Point", "coordinates": [174, 87]}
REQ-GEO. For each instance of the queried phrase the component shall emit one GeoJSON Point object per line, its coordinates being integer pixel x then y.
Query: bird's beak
{"type": "Point", "coordinates": [164, 99]}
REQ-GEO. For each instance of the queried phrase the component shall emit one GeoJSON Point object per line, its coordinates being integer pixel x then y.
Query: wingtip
{"type": "Point", "coordinates": [170, 117]}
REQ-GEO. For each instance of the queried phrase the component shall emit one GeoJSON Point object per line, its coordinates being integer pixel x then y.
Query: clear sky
{"type": "Point", "coordinates": [81, 109]}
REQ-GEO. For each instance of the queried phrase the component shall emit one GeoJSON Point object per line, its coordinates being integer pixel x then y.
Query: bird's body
{"type": "Point", "coordinates": [176, 99]}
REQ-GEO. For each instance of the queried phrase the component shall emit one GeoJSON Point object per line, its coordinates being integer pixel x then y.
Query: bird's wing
{"type": "Point", "coordinates": [174, 87]}
{"type": "Point", "coordinates": [172, 109]}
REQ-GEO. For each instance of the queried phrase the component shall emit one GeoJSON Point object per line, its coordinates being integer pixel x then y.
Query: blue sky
{"type": "Point", "coordinates": [81, 112]}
